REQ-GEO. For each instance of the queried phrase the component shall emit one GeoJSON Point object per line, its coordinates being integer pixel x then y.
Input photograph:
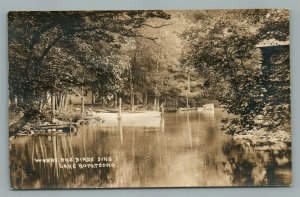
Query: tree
{"type": "Point", "coordinates": [58, 52]}
{"type": "Point", "coordinates": [155, 70]}
{"type": "Point", "coordinates": [222, 45]}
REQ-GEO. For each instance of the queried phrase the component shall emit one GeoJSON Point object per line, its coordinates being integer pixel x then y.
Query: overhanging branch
{"type": "Point", "coordinates": [149, 38]}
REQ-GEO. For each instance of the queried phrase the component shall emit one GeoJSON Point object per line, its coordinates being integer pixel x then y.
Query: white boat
{"type": "Point", "coordinates": [186, 109]}
{"type": "Point", "coordinates": [207, 108]}
{"type": "Point", "coordinates": [148, 118]}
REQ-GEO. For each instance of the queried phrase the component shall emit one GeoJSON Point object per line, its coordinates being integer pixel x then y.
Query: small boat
{"type": "Point", "coordinates": [136, 118]}
{"type": "Point", "coordinates": [207, 108]}
{"type": "Point", "coordinates": [48, 134]}
{"type": "Point", "coordinates": [54, 129]}
{"type": "Point", "coordinates": [170, 110]}
{"type": "Point", "coordinates": [111, 110]}
{"type": "Point", "coordinates": [187, 109]}
{"type": "Point", "coordinates": [131, 114]}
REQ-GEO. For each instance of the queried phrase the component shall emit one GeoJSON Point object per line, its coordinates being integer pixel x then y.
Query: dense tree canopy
{"type": "Point", "coordinates": [59, 51]}
{"type": "Point", "coordinates": [150, 57]}
{"type": "Point", "coordinates": [53, 54]}
{"type": "Point", "coordinates": [223, 47]}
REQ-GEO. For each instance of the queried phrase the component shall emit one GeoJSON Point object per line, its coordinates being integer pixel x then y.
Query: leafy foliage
{"type": "Point", "coordinates": [223, 46]}
{"type": "Point", "coordinates": [55, 53]}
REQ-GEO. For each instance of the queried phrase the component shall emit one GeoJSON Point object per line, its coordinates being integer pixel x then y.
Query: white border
{"type": "Point", "coordinates": [10, 5]}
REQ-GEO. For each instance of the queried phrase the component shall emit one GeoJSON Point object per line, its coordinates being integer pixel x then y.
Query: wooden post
{"type": "Point", "coordinates": [187, 102]}
{"type": "Point", "coordinates": [189, 90]}
{"type": "Point", "coordinates": [120, 109]}
{"type": "Point", "coordinates": [82, 100]}
{"type": "Point", "coordinates": [146, 100]}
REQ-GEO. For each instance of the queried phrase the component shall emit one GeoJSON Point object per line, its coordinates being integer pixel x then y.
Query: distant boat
{"type": "Point", "coordinates": [187, 109]}
{"type": "Point", "coordinates": [136, 118]}
{"type": "Point", "coordinates": [128, 113]}
{"type": "Point", "coordinates": [171, 110]}
{"type": "Point", "coordinates": [111, 110]}
{"type": "Point", "coordinates": [207, 108]}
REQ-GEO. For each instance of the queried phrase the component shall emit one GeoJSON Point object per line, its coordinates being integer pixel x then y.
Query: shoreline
{"type": "Point", "coordinates": [262, 140]}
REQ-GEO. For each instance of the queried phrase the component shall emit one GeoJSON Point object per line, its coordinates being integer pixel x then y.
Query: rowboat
{"type": "Point", "coordinates": [134, 114]}
{"type": "Point", "coordinates": [54, 129]}
{"type": "Point", "coordinates": [136, 118]}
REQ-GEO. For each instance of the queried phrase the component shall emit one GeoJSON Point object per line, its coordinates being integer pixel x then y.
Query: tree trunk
{"type": "Point", "coordinates": [157, 107]}
{"type": "Point", "coordinates": [154, 105]}
{"type": "Point", "coordinates": [103, 103]}
{"type": "Point", "coordinates": [93, 98]}
{"type": "Point", "coordinates": [66, 101]}
{"type": "Point", "coordinates": [146, 101]}
{"type": "Point", "coordinates": [52, 105]}
{"type": "Point", "coordinates": [132, 102]}
{"type": "Point", "coordinates": [62, 101]}
{"type": "Point", "coordinates": [116, 100]}
{"type": "Point", "coordinates": [131, 93]}
{"type": "Point", "coordinates": [56, 102]}
{"type": "Point", "coordinates": [41, 104]}
{"type": "Point", "coordinates": [120, 109]}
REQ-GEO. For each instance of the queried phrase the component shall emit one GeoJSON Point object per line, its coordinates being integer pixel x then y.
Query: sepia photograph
{"type": "Point", "coordinates": [149, 98]}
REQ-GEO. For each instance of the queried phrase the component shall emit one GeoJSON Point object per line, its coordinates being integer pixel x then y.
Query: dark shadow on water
{"type": "Point", "coordinates": [251, 167]}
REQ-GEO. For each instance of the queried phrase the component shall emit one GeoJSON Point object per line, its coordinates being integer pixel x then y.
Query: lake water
{"type": "Point", "coordinates": [178, 150]}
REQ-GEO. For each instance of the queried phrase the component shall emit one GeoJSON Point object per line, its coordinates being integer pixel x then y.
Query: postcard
{"type": "Point", "coordinates": [149, 98]}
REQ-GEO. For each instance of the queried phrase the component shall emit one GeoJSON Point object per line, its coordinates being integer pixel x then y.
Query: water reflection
{"type": "Point", "coordinates": [249, 166]}
{"type": "Point", "coordinates": [180, 149]}
{"type": "Point", "coordinates": [120, 127]}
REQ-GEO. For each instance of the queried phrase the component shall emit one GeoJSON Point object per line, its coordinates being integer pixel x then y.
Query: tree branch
{"type": "Point", "coordinates": [50, 45]}
{"type": "Point", "coordinates": [148, 38]}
